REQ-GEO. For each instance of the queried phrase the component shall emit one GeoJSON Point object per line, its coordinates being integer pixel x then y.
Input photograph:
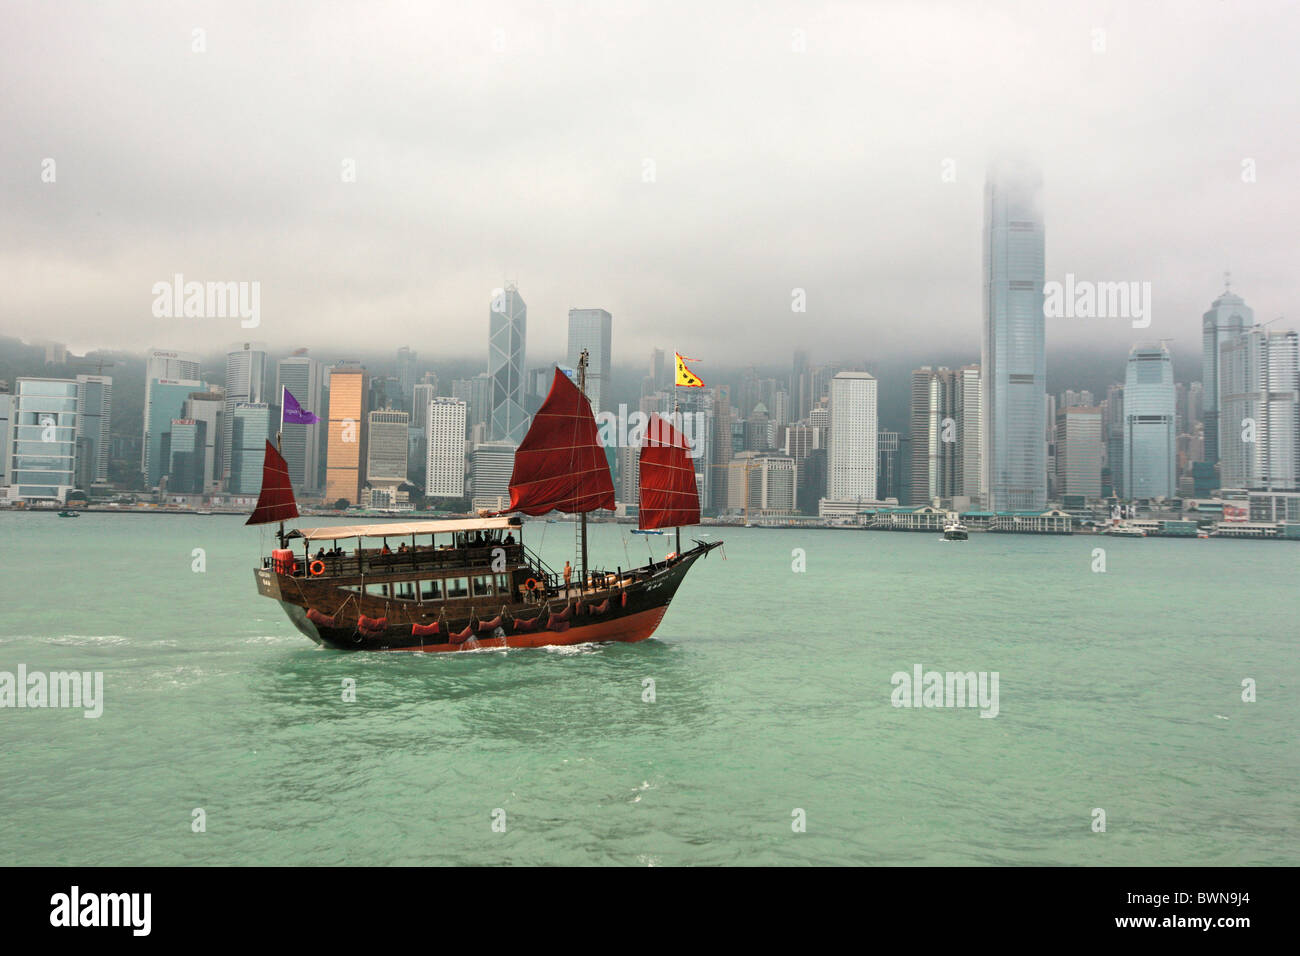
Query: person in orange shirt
{"type": "Point", "coordinates": [568, 573]}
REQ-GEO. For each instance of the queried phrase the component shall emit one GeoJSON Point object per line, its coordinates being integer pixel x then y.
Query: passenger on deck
{"type": "Point", "coordinates": [320, 555]}
{"type": "Point", "coordinates": [568, 573]}
{"type": "Point", "coordinates": [385, 549]}
{"type": "Point", "coordinates": [510, 538]}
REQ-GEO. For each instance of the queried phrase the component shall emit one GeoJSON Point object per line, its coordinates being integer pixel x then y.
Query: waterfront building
{"type": "Point", "coordinates": [43, 449]}
{"type": "Point", "coordinates": [853, 451]}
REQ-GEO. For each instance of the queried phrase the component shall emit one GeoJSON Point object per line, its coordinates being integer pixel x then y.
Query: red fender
{"type": "Point", "coordinates": [316, 617]}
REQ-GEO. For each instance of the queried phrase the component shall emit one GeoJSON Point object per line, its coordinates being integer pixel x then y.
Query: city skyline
{"type": "Point", "coordinates": [351, 223]}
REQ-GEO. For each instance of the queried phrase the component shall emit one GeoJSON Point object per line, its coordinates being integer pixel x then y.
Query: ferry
{"type": "Point", "coordinates": [473, 583]}
{"type": "Point", "coordinates": [1125, 531]}
{"type": "Point", "coordinates": [955, 531]}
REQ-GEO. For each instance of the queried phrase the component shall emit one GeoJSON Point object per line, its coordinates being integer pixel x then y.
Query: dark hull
{"type": "Point", "coordinates": [630, 614]}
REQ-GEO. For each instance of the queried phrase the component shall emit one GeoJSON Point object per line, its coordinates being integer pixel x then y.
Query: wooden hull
{"type": "Point", "coordinates": [630, 613]}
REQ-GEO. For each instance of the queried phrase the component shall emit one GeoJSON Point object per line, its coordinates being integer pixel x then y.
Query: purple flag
{"type": "Point", "coordinates": [295, 414]}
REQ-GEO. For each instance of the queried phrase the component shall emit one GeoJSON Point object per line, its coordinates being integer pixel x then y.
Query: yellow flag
{"type": "Point", "coordinates": [685, 377]}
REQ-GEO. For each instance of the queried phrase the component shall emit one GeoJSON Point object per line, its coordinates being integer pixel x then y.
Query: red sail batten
{"type": "Point", "coordinates": [560, 465]}
{"type": "Point", "coordinates": [669, 496]}
{"type": "Point", "coordinates": [276, 501]}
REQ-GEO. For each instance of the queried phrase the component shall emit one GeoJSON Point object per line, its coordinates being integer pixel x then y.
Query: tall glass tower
{"type": "Point", "coordinates": [1013, 351]}
{"type": "Point", "coordinates": [245, 373]}
{"type": "Point", "coordinates": [1228, 317]}
{"type": "Point", "coordinates": [1150, 439]}
{"type": "Point", "coordinates": [507, 332]}
{"type": "Point", "coordinates": [590, 329]}
{"type": "Point", "coordinates": [304, 377]}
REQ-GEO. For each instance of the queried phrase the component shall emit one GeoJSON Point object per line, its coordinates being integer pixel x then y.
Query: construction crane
{"type": "Point", "coordinates": [97, 364]}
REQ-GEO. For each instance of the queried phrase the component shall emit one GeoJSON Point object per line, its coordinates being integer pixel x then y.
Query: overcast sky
{"type": "Point", "coordinates": [514, 140]}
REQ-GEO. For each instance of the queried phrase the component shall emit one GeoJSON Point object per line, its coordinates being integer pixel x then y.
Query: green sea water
{"type": "Point", "coordinates": [1119, 691]}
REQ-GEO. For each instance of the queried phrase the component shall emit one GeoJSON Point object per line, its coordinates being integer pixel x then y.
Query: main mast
{"type": "Point", "coordinates": [582, 387]}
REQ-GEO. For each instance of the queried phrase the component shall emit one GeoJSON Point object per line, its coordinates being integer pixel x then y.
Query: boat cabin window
{"type": "Point", "coordinates": [405, 590]}
{"type": "Point", "coordinates": [377, 590]}
{"type": "Point", "coordinates": [430, 590]}
{"type": "Point", "coordinates": [484, 585]}
{"type": "Point", "coordinates": [457, 587]}
{"type": "Point", "coordinates": [503, 583]}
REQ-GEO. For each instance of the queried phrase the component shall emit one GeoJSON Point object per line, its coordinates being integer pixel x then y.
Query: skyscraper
{"type": "Point", "coordinates": [934, 435]}
{"type": "Point", "coordinates": [406, 362]}
{"type": "Point", "coordinates": [445, 433]}
{"type": "Point", "coordinates": [1013, 351]}
{"type": "Point", "coordinates": [1227, 318]}
{"type": "Point", "coordinates": [349, 385]}
{"type": "Point", "coordinates": [387, 447]}
{"type": "Point", "coordinates": [1259, 393]}
{"type": "Point", "coordinates": [1079, 451]}
{"type": "Point", "coordinates": [94, 417]}
{"type": "Point", "coordinates": [245, 373]}
{"type": "Point", "coordinates": [491, 466]}
{"type": "Point", "coordinates": [421, 396]}
{"type": "Point", "coordinates": [208, 409]}
{"type": "Point", "coordinates": [1150, 443]}
{"type": "Point", "coordinates": [172, 366]}
{"type": "Point", "coordinates": [970, 414]}
{"type": "Point", "coordinates": [251, 426]}
{"type": "Point", "coordinates": [852, 456]}
{"type": "Point", "coordinates": [44, 445]}
{"type": "Point", "coordinates": [590, 329]}
{"type": "Point", "coordinates": [304, 377]}
{"type": "Point", "coordinates": [507, 334]}
{"type": "Point", "coordinates": [167, 399]}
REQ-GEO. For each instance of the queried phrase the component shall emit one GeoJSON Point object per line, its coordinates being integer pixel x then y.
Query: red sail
{"type": "Point", "coordinates": [560, 464]}
{"type": "Point", "coordinates": [668, 494]}
{"type": "Point", "coordinates": [275, 503]}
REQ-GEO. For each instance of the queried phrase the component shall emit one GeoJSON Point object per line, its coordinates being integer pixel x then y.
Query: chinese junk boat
{"type": "Point", "coordinates": [461, 584]}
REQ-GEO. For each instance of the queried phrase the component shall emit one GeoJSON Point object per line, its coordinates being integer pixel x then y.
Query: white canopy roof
{"type": "Point", "coordinates": [399, 529]}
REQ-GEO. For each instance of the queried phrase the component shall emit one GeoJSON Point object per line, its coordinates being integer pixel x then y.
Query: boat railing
{"type": "Point", "coordinates": [375, 561]}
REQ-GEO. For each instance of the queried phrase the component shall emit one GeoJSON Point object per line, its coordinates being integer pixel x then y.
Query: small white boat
{"type": "Point", "coordinates": [956, 531]}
